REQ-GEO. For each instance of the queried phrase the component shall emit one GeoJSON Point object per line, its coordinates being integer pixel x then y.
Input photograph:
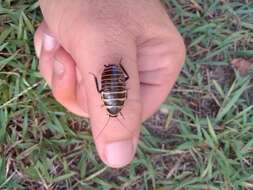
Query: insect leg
{"type": "Point", "coordinates": [123, 69]}
{"type": "Point", "coordinates": [96, 81]}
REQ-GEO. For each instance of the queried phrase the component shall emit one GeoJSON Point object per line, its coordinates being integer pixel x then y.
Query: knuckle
{"type": "Point", "coordinates": [173, 60]}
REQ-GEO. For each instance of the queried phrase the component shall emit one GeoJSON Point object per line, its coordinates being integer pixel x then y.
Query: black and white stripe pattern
{"type": "Point", "coordinates": [113, 90]}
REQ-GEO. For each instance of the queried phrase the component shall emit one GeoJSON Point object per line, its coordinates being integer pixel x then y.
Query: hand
{"type": "Point", "coordinates": [80, 37]}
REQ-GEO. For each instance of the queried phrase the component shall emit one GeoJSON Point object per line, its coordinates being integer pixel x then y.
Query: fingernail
{"type": "Point", "coordinates": [49, 42]}
{"type": "Point", "coordinates": [120, 153]}
{"type": "Point", "coordinates": [58, 68]}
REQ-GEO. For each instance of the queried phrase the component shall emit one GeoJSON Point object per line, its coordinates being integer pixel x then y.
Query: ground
{"type": "Point", "coordinates": [201, 138]}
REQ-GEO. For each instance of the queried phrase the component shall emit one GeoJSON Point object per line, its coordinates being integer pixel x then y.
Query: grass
{"type": "Point", "coordinates": [200, 139]}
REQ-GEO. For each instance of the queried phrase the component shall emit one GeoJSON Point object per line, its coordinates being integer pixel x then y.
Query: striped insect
{"type": "Point", "coordinates": [113, 89]}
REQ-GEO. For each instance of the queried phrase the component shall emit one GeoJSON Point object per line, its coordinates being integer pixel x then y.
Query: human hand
{"type": "Point", "coordinates": [80, 37]}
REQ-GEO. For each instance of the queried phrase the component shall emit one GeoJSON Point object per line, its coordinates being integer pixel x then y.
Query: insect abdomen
{"type": "Point", "coordinates": [114, 91]}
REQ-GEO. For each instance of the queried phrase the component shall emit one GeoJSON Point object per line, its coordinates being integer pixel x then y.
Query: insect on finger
{"type": "Point", "coordinates": [113, 90]}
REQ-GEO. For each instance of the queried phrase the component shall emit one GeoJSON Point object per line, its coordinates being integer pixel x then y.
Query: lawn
{"type": "Point", "coordinates": [201, 138]}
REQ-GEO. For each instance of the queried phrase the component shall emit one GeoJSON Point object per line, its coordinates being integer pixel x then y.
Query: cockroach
{"type": "Point", "coordinates": [113, 89]}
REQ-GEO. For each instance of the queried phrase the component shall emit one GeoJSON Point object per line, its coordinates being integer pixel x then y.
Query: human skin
{"type": "Point", "coordinates": [80, 37]}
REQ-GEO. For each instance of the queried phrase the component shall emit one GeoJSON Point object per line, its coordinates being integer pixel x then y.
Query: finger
{"type": "Point", "coordinates": [46, 47]}
{"type": "Point", "coordinates": [38, 36]}
{"type": "Point", "coordinates": [65, 87]}
{"type": "Point", "coordinates": [159, 62]}
{"type": "Point", "coordinates": [116, 140]}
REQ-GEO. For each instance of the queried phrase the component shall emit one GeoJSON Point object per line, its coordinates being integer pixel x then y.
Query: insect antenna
{"type": "Point", "coordinates": [107, 124]}
{"type": "Point", "coordinates": [103, 127]}
{"type": "Point", "coordinates": [122, 115]}
{"type": "Point", "coordinates": [124, 126]}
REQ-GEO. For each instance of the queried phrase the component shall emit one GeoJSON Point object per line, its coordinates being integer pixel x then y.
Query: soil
{"type": "Point", "coordinates": [156, 125]}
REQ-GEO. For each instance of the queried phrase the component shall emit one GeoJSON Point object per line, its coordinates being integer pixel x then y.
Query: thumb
{"type": "Point", "coordinates": [92, 46]}
{"type": "Point", "coordinates": [115, 137]}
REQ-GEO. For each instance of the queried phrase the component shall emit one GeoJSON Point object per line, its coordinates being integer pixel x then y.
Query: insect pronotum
{"type": "Point", "coordinates": [113, 90]}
